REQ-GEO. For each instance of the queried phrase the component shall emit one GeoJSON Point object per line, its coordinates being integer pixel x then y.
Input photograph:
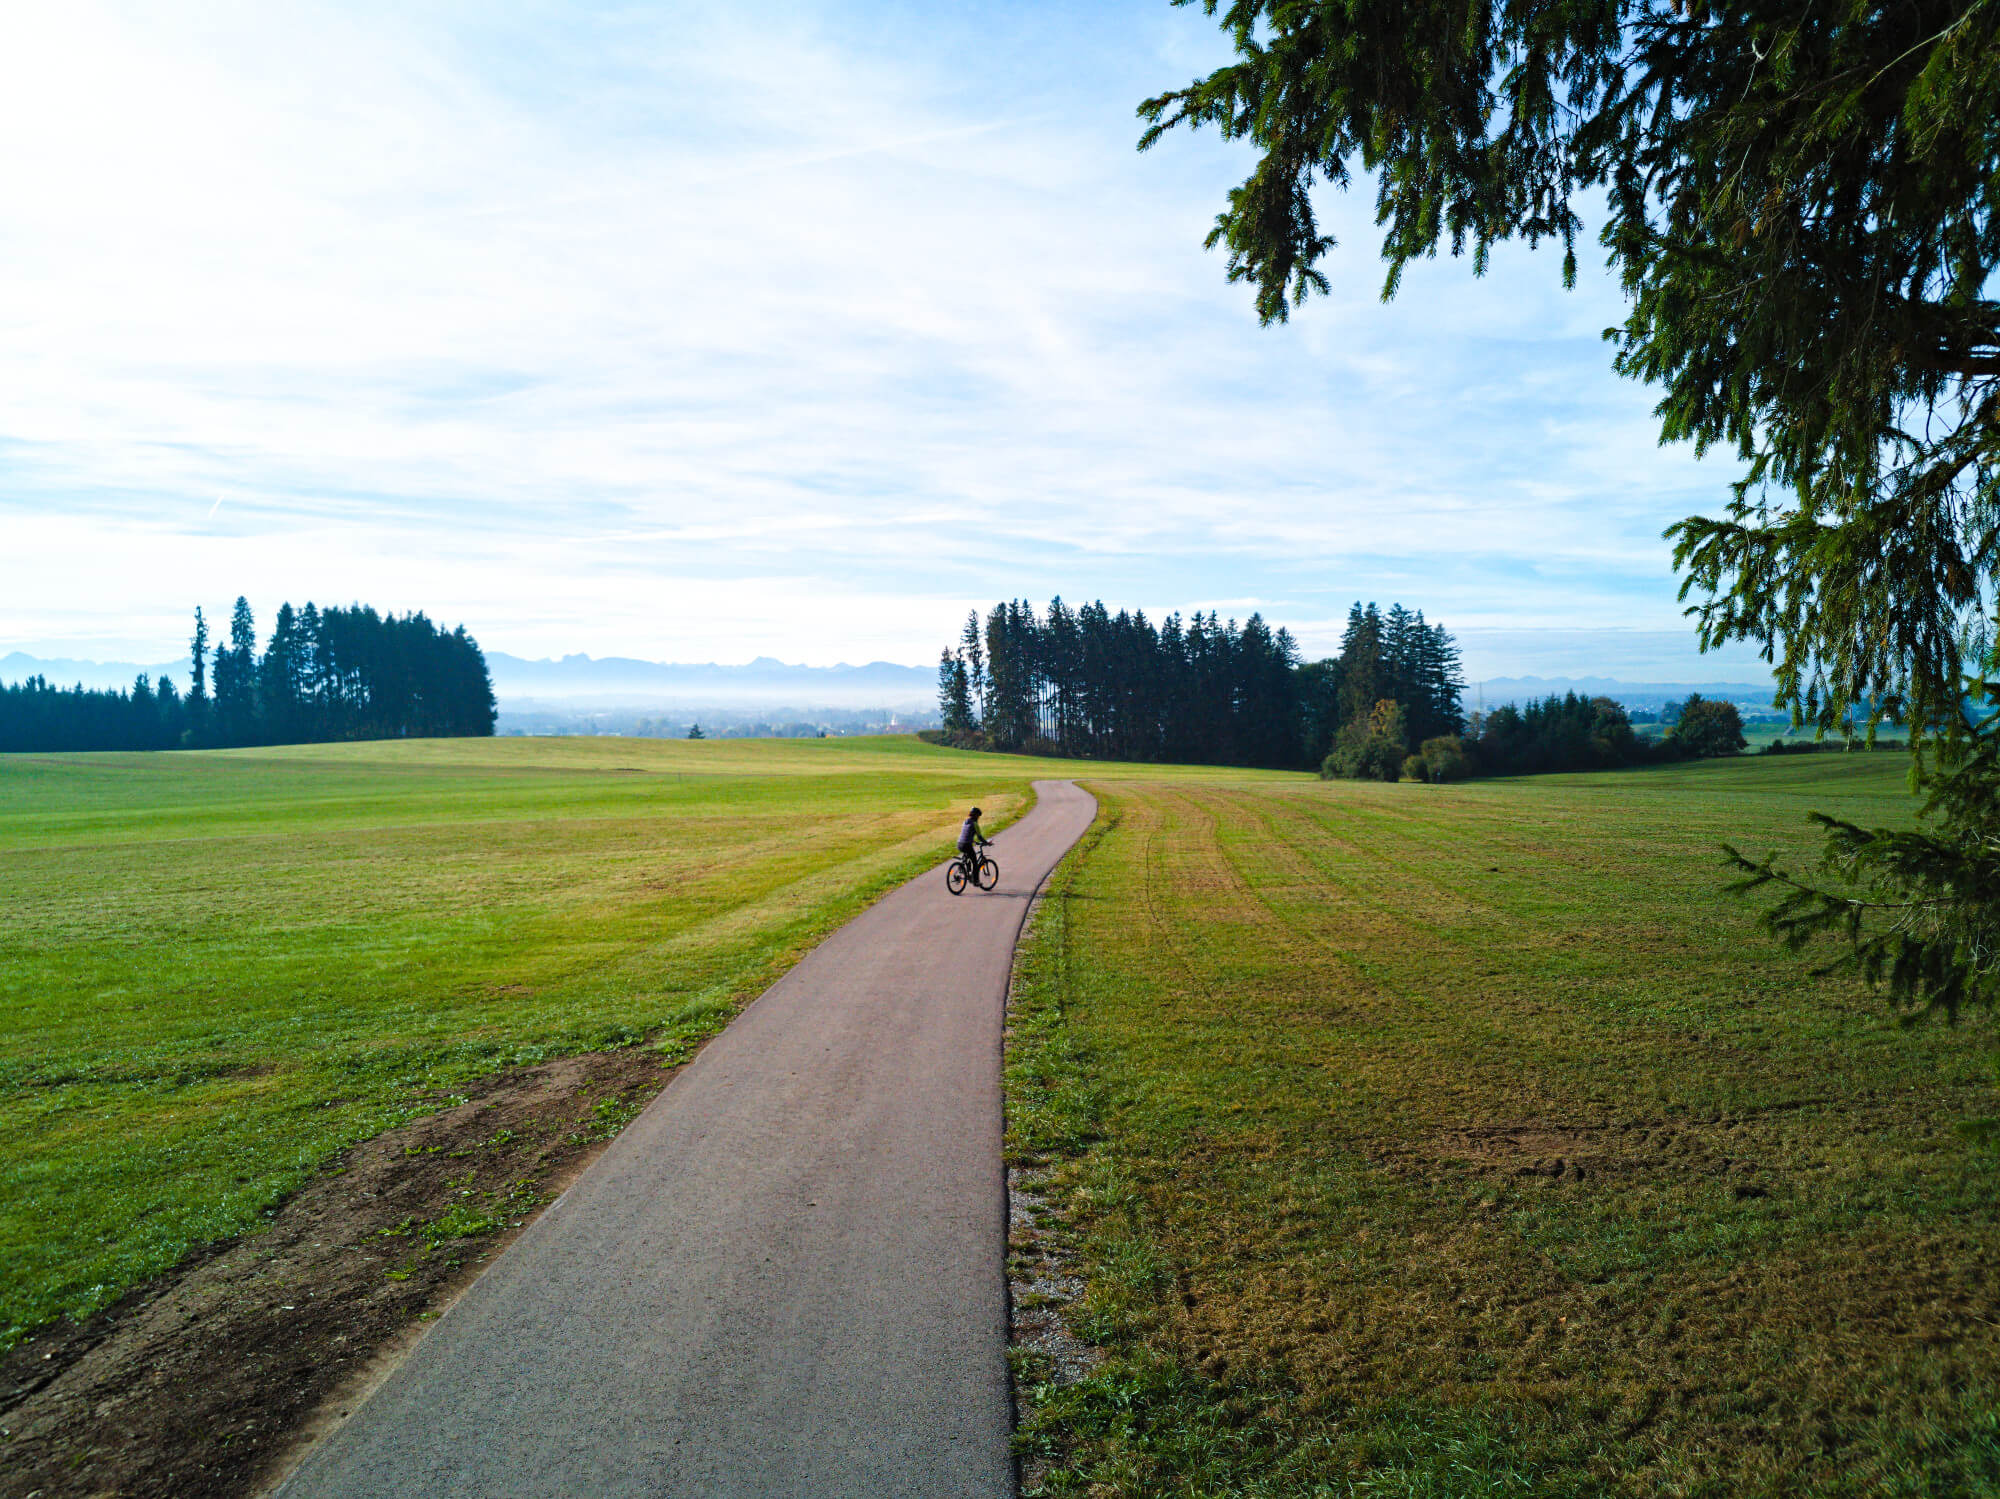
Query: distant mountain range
{"type": "Point", "coordinates": [62, 672]}
{"type": "Point", "coordinates": [1498, 690]}
{"type": "Point", "coordinates": [585, 681]}
{"type": "Point", "coordinates": [622, 682]}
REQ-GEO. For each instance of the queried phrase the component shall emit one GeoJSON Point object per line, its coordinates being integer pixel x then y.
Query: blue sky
{"type": "Point", "coordinates": [653, 331]}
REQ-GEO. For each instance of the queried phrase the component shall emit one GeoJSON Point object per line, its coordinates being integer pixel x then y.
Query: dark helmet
{"type": "Point", "coordinates": [975, 811]}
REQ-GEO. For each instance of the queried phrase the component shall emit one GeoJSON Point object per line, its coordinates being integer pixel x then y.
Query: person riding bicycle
{"type": "Point", "coordinates": [969, 838]}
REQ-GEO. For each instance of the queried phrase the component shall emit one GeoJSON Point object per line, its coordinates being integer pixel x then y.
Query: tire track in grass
{"type": "Point", "coordinates": [1321, 814]}
{"type": "Point", "coordinates": [1152, 869]}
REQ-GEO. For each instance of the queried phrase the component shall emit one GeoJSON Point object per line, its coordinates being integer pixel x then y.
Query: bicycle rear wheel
{"type": "Point", "coordinates": [989, 872]}
{"type": "Point", "coordinates": [954, 878]}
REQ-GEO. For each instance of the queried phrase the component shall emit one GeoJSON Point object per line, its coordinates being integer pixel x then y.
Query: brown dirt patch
{"type": "Point", "coordinates": [214, 1379]}
{"type": "Point", "coordinates": [1571, 1152]}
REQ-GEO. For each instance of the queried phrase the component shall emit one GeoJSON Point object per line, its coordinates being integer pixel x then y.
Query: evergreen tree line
{"type": "Point", "coordinates": [1388, 707]}
{"type": "Point", "coordinates": [1087, 682]}
{"type": "Point", "coordinates": [326, 674]}
{"type": "Point", "coordinates": [1595, 733]}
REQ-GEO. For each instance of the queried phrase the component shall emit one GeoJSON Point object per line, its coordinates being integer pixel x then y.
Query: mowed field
{"type": "Point", "coordinates": [1408, 1140]}
{"type": "Point", "coordinates": [218, 969]}
{"type": "Point", "coordinates": [221, 968]}
{"type": "Point", "coordinates": [1468, 1140]}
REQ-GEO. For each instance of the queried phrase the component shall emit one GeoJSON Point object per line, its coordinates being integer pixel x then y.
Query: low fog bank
{"type": "Point", "coordinates": [725, 720]}
{"type": "Point", "coordinates": [761, 686]}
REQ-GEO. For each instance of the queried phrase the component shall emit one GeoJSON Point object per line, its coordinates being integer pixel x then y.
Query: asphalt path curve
{"type": "Point", "coordinates": [786, 1277]}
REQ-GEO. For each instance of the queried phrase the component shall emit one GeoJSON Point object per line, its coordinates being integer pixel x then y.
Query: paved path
{"type": "Point", "coordinates": [786, 1277]}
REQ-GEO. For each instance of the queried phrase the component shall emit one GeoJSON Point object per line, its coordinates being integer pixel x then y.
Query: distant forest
{"type": "Point", "coordinates": [327, 674]}
{"type": "Point", "coordinates": [1089, 683]}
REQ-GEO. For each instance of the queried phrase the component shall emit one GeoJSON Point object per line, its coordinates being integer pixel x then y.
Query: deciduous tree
{"type": "Point", "coordinates": [1708, 728]}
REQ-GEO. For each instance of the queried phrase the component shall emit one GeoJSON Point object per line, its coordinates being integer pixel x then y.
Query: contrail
{"type": "Point", "coordinates": [215, 507]}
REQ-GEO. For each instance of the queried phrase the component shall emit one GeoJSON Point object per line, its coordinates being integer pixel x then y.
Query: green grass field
{"type": "Point", "coordinates": [1467, 1140]}
{"type": "Point", "coordinates": [1410, 1140]}
{"type": "Point", "coordinates": [1757, 735]}
{"type": "Point", "coordinates": [221, 968]}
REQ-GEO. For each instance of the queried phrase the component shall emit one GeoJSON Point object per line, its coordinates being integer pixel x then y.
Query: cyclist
{"type": "Point", "coordinates": [969, 838]}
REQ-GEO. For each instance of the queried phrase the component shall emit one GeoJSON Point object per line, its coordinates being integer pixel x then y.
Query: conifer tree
{"type": "Point", "coordinates": [973, 653]}
{"type": "Point", "coordinates": [954, 695]}
{"type": "Point", "coordinates": [197, 698]}
{"type": "Point", "coordinates": [1803, 207]}
{"type": "Point", "coordinates": [235, 687]}
{"type": "Point", "coordinates": [278, 677]}
{"type": "Point", "coordinates": [313, 690]}
{"type": "Point", "coordinates": [1361, 675]}
{"type": "Point", "coordinates": [172, 712]}
{"type": "Point", "coordinates": [242, 628]}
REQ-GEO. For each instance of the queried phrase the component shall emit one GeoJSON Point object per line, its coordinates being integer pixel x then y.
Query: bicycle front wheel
{"type": "Point", "coordinates": [989, 872]}
{"type": "Point", "coordinates": [954, 879]}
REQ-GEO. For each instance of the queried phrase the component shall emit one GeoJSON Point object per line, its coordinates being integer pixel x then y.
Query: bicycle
{"type": "Point", "coordinates": [964, 870]}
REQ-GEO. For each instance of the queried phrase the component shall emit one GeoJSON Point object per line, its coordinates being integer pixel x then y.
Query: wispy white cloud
{"type": "Point", "coordinates": [673, 333]}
